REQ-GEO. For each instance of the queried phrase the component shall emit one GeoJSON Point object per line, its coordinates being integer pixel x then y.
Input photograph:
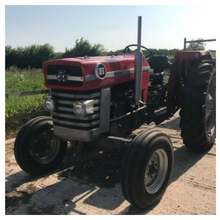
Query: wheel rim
{"type": "Point", "coordinates": [45, 147]}
{"type": "Point", "coordinates": [156, 171]}
{"type": "Point", "coordinates": [210, 111]}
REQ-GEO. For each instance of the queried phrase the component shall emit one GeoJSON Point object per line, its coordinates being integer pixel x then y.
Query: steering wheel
{"type": "Point", "coordinates": [127, 50]}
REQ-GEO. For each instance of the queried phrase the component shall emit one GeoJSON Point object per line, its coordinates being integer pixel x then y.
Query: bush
{"type": "Point", "coordinates": [28, 57]}
{"type": "Point", "coordinates": [23, 83]}
{"type": "Point", "coordinates": [33, 56]}
{"type": "Point", "coordinates": [84, 48]}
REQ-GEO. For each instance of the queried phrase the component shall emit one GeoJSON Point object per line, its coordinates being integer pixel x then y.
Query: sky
{"type": "Point", "coordinates": [112, 26]}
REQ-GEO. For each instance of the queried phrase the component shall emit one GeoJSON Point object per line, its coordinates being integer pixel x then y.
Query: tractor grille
{"type": "Point", "coordinates": [64, 75]}
{"type": "Point", "coordinates": [63, 114]}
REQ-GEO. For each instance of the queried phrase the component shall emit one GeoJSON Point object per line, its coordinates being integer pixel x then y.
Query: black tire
{"type": "Point", "coordinates": [198, 107]}
{"type": "Point", "coordinates": [136, 163]}
{"type": "Point", "coordinates": [34, 136]}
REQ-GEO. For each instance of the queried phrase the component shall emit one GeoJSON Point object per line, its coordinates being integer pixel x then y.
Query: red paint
{"type": "Point", "coordinates": [144, 87]}
{"type": "Point", "coordinates": [193, 55]}
{"type": "Point", "coordinates": [112, 63]}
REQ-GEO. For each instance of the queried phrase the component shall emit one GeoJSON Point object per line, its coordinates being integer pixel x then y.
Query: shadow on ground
{"type": "Point", "coordinates": [171, 124]}
{"type": "Point", "coordinates": [93, 170]}
{"type": "Point", "coordinates": [184, 159]}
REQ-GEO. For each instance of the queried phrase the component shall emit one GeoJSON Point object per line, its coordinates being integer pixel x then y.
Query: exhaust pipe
{"type": "Point", "coordinates": [138, 66]}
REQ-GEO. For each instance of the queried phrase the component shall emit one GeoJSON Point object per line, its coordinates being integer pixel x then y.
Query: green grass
{"type": "Point", "coordinates": [23, 83]}
{"type": "Point", "coordinates": [213, 54]}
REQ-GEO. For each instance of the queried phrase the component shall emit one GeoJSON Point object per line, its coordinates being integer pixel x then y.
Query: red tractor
{"type": "Point", "coordinates": [107, 97]}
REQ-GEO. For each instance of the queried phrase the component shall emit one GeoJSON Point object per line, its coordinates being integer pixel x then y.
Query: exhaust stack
{"type": "Point", "coordinates": [138, 66]}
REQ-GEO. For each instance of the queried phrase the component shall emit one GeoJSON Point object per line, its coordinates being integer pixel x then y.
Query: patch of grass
{"type": "Point", "coordinates": [213, 54]}
{"type": "Point", "coordinates": [24, 105]}
{"type": "Point", "coordinates": [23, 83]}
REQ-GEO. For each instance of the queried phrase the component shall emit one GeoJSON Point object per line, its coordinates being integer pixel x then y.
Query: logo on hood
{"type": "Point", "coordinates": [100, 71]}
{"type": "Point", "coordinates": [61, 76]}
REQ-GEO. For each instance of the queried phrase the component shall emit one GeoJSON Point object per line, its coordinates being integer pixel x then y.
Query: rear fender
{"type": "Point", "coordinates": [182, 62]}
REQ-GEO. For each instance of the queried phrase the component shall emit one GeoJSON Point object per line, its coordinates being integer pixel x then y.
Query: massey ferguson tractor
{"type": "Point", "coordinates": [107, 97]}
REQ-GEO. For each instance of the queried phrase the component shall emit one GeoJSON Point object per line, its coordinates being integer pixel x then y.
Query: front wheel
{"type": "Point", "coordinates": [37, 150]}
{"type": "Point", "coordinates": [147, 169]}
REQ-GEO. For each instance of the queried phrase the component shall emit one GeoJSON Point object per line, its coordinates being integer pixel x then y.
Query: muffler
{"type": "Point", "coordinates": [138, 66]}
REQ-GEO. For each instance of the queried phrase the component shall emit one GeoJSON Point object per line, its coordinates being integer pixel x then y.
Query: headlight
{"type": "Point", "coordinates": [49, 104]}
{"type": "Point", "coordinates": [81, 108]}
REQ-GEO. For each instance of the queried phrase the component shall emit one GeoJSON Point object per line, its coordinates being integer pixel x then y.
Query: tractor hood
{"type": "Point", "coordinates": [86, 73]}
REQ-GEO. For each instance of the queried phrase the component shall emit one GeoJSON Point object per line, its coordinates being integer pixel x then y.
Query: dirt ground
{"type": "Point", "coordinates": [88, 183]}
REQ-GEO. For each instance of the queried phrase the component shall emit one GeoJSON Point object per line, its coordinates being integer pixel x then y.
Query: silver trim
{"type": "Point", "coordinates": [71, 102]}
{"type": "Point", "coordinates": [115, 73]}
{"type": "Point", "coordinates": [69, 78]}
{"type": "Point", "coordinates": [71, 109]}
{"type": "Point", "coordinates": [76, 117]}
{"type": "Point", "coordinates": [68, 95]}
{"type": "Point", "coordinates": [94, 77]}
{"type": "Point", "coordinates": [85, 125]}
{"type": "Point", "coordinates": [90, 78]}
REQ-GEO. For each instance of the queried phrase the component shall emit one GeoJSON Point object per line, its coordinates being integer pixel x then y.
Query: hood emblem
{"type": "Point", "coordinates": [61, 76]}
{"type": "Point", "coordinates": [100, 71]}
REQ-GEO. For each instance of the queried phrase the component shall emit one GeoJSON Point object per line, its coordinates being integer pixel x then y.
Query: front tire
{"type": "Point", "coordinates": [37, 150]}
{"type": "Point", "coordinates": [147, 169]}
{"type": "Point", "coordinates": [198, 107]}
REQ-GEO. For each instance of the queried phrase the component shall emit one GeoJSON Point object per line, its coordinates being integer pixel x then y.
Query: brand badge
{"type": "Point", "coordinates": [100, 71]}
{"type": "Point", "coordinates": [61, 76]}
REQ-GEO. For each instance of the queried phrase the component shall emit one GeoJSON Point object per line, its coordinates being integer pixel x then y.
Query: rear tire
{"type": "Point", "coordinates": [147, 168]}
{"type": "Point", "coordinates": [37, 150]}
{"type": "Point", "coordinates": [198, 108]}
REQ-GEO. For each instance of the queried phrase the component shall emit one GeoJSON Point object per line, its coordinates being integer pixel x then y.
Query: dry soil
{"type": "Point", "coordinates": [88, 183]}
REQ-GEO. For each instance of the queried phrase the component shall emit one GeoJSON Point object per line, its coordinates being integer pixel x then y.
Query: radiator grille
{"type": "Point", "coordinates": [73, 75]}
{"type": "Point", "coordinates": [63, 114]}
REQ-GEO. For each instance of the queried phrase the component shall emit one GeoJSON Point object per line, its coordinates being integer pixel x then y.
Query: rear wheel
{"type": "Point", "coordinates": [147, 169]}
{"type": "Point", "coordinates": [198, 108]}
{"type": "Point", "coordinates": [37, 150]}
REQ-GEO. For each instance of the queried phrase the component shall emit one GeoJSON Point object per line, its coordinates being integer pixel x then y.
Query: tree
{"type": "Point", "coordinates": [58, 55]}
{"type": "Point", "coordinates": [196, 45]}
{"type": "Point", "coordinates": [28, 57]}
{"type": "Point", "coordinates": [84, 48]}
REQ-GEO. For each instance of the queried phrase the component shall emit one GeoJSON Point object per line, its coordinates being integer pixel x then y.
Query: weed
{"type": "Point", "coordinates": [22, 83]}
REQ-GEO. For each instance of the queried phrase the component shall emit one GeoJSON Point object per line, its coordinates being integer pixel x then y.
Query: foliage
{"type": "Point", "coordinates": [213, 54]}
{"type": "Point", "coordinates": [58, 55]}
{"type": "Point", "coordinates": [28, 57]}
{"type": "Point", "coordinates": [34, 55]}
{"type": "Point", "coordinates": [164, 52]}
{"type": "Point", "coordinates": [84, 48]}
{"type": "Point", "coordinates": [24, 105]}
{"type": "Point", "coordinates": [21, 83]}
{"type": "Point", "coordinates": [196, 45]}
{"type": "Point", "coordinates": [156, 52]}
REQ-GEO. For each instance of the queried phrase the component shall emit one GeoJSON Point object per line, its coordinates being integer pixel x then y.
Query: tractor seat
{"type": "Point", "coordinates": [156, 78]}
{"type": "Point", "coordinates": [159, 63]}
